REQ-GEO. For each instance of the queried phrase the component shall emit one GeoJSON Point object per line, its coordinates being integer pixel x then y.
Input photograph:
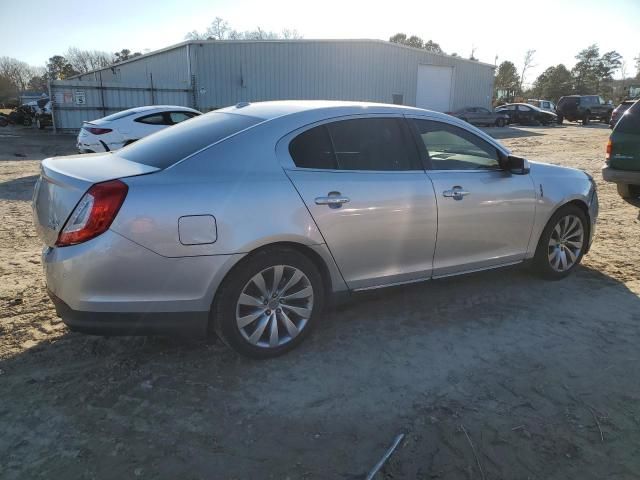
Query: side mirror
{"type": "Point", "coordinates": [515, 165]}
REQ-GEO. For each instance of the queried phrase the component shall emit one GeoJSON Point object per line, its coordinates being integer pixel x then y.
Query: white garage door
{"type": "Point", "coordinates": [434, 87]}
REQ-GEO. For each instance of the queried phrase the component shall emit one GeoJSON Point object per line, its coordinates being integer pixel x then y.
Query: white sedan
{"type": "Point", "coordinates": [120, 129]}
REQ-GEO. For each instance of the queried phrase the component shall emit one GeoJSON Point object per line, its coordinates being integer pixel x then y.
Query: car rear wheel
{"type": "Point", "coordinates": [628, 191]}
{"type": "Point", "coordinates": [269, 303]}
{"type": "Point", "coordinates": [585, 119]}
{"type": "Point", "coordinates": [562, 243]}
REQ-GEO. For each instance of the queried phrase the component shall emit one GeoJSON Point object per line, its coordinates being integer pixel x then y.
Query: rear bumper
{"type": "Point", "coordinates": [132, 323]}
{"type": "Point", "coordinates": [629, 177]}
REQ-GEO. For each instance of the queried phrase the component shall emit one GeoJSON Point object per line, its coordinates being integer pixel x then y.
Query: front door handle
{"type": "Point", "coordinates": [457, 193]}
{"type": "Point", "coordinates": [333, 199]}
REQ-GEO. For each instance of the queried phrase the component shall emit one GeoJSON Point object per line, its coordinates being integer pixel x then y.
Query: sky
{"type": "Point", "coordinates": [556, 29]}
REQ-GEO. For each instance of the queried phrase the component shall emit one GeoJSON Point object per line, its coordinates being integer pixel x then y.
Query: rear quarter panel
{"type": "Point", "coordinates": [238, 181]}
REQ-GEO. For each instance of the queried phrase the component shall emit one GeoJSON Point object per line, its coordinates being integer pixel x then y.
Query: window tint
{"type": "Point", "coordinates": [155, 119]}
{"type": "Point", "coordinates": [171, 145]}
{"type": "Point", "coordinates": [452, 148]}
{"type": "Point", "coordinates": [630, 121]}
{"type": "Point", "coordinates": [312, 149]}
{"type": "Point", "coordinates": [373, 144]}
{"type": "Point", "coordinates": [177, 117]}
{"type": "Point", "coordinates": [522, 108]}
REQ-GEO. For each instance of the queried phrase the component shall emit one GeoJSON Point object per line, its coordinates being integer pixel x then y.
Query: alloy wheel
{"type": "Point", "coordinates": [275, 306]}
{"type": "Point", "coordinates": [566, 243]}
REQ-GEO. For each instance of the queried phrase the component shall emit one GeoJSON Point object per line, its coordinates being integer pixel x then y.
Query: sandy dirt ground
{"type": "Point", "coordinates": [497, 375]}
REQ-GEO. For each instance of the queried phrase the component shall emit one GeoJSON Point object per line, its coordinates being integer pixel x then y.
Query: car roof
{"type": "Point", "coordinates": [274, 109]}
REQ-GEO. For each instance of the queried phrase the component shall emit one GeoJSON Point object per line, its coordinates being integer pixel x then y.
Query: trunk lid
{"type": "Point", "coordinates": [63, 182]}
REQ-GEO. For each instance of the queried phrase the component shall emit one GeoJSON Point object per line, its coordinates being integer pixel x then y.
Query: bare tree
{"type": "Point", "coordinates": [195, 35]}
{"type": "Point", "coordinates": [84, 61]}
{"type": "Point", "coordinates": [218, 29]}
{"type": "Point", "coordinates": [17, 72]}
{"type": "Point", "coordinates": [527, 64]}
{"type": "Point", "coordinates": [290, 34]}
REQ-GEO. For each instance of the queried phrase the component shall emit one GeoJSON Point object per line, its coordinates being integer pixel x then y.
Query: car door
{"type": "Point", "coordinates": [524, 114]}
{"type": "Point", "coordinates": [485, 214]}
{"type": "Point", "coordinates": [362, 181]}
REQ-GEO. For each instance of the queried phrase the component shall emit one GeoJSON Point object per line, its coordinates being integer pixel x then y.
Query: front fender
{"type": "Point", "coordinates": [555, 187]}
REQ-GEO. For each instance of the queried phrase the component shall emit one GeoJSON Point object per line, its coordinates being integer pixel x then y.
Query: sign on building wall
{"type": "Point", "coordinates": [80, 97]}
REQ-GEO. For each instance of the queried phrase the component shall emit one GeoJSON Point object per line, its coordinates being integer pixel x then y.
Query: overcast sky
{"type": "Point", "coordinates": [557, 29]}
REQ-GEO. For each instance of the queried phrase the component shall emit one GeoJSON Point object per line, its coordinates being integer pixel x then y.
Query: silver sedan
{"type": "Point", "coordinates": [245, 221]}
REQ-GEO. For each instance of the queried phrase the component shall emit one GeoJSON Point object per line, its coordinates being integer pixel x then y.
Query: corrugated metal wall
{"type": "Point", "coordinates": [75, 101]}
{"type": "Point", "coordinates": [229, 72]}
{"type": "Point", "coordinates": [167, 66]}
{"type": "Point", "coordinates": [367, 70]}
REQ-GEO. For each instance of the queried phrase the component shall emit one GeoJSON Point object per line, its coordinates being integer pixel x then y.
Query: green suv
{"type": "Point", "coordinates": [583, 108]}
{"type": "Point", "coordinates": [623, 154]}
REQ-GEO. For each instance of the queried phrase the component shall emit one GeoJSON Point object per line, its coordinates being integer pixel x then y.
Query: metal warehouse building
{"type": "Point", "coordinates": [213, 74]}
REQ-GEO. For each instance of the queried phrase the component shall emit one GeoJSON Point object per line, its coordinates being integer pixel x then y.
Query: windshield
{"type": "Point", "coordinates": [164, 148]}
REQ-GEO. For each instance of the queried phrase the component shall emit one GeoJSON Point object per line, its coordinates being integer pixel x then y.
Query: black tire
{"type": "Point", "coordinates": [223, 311]}
{"type": "Point", "coordinates": [541, 262]}
{"type": "Point", "coordinates": [500, 122]}
{"type": "Point", "coordinates": [628, 191]}
{"type": "Point", "coordinates": [3, 122]}
{"type": "Point", "coordinates": [586, 118]}
{"type": "Point", "coordinates": [560, 120]}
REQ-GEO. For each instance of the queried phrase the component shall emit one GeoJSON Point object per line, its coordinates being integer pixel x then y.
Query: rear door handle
{"type": "Point", "coordinates": [333, 199]}
{"type": "Point", "coordinates": [457, 193]}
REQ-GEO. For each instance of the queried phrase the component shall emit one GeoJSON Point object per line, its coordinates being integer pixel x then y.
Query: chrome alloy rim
{"type": "Point", "coordinates": [274, 306]}
{"type": "Point", "coordinates": [565, 244]}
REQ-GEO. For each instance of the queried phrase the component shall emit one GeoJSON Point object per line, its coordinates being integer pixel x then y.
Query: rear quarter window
{"type": "Point", "coordinates": [173, 144]}
{"type": "Point", "coordinates": [630, 121]}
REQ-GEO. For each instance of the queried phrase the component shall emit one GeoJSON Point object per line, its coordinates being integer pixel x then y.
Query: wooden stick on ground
{"type": "Point", "coordinates": [385, 457]}
{"type": "Point", "coordinates": [473, 449]}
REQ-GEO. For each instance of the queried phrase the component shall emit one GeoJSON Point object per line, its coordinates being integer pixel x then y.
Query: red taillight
{"type": "Point", "coordinates": [94, 213]}
{"type": "Point", "coordinates": [97, 131]}
{"type": "Point", "coordinates": [609, 148]}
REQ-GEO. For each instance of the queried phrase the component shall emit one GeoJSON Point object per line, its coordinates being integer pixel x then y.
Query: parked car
{"type": "Point", "coordinates": [547, 105]}
{"type": "Point", "coordinates": [247, 220]}
{"type": "Point", "coordinates": [583, 108]}
{"type": "Point", "coordinates": [481, 116]}
{"type": "Point", "coordinates": [623, 154]}
{"type": "Point", "coordinates": [123, 128]}
{"type": "Point", "coordinates": [618, 111]}
{"type": "Point", "coordinates": [526, 114]}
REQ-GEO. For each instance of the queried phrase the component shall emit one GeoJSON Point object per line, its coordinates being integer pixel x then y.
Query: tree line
{"type": "Point", "coordinates": [592, 74]}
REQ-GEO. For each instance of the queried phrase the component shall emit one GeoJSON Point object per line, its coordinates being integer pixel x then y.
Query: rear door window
{"type": "Point", "coordinates": [177, 117]}
{"type": "Point", "coordinates": [154, 119]}
{"type": "Point", "coordinates": [171, 145]}
{"type": "Point", "coordinates": [382, 144]}
{"type": "Point", "coordinates": [313, 149]}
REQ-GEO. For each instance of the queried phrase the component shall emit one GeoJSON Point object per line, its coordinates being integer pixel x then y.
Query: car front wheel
{"type": "Point", "coordinates": [562, 243]}
{"type": "Point", "coordinates": [268, 303]}
{"type": "Point", "coordinates": [500, 122]}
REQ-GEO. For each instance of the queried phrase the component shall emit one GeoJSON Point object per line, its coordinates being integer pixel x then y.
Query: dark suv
{"type": "Point", "coordinates": [583, 108]}
{"type": "Point", "coordinates": [623, 154]}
